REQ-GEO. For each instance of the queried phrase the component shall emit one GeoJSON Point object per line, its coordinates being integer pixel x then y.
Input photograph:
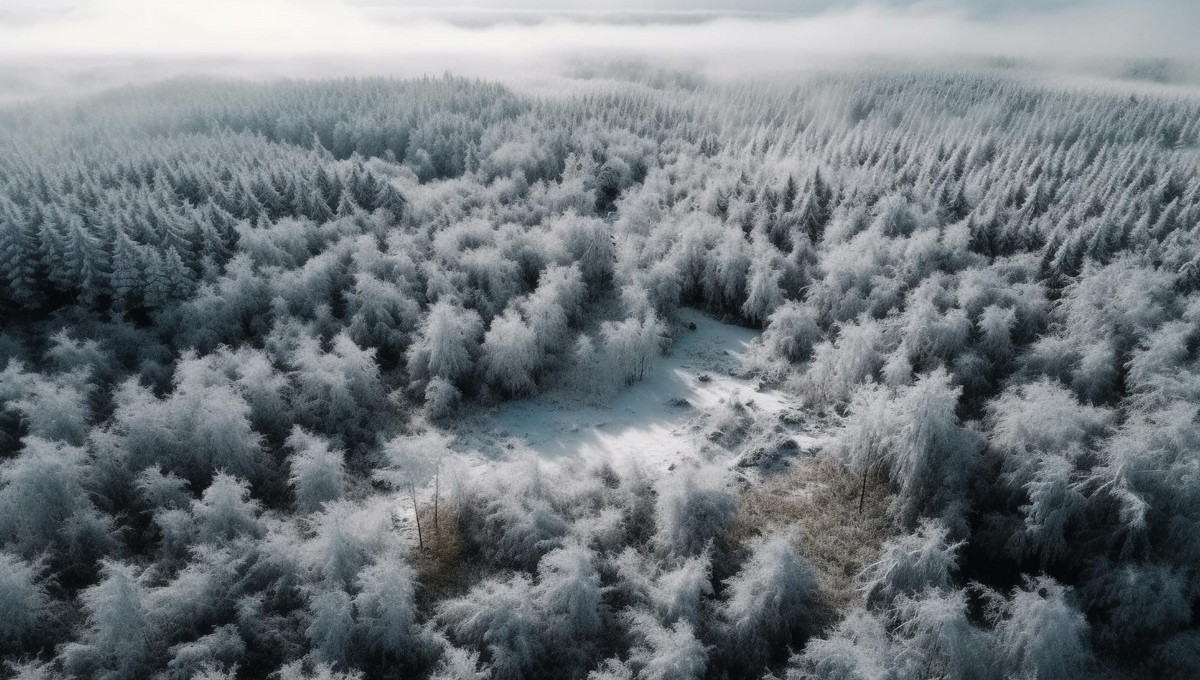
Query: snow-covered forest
{"type": "Point", "coordinates": [255, 338]}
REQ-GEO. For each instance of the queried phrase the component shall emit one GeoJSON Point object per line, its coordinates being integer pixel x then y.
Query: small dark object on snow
{"type": "Point", "coordinates": [679, 402]}
{"type": "Point", "coordinates": [691, 325]}
{"type": "Point", "coordinates": [704, 377]}
{"type": "Point", "coordinates": [789, 446]}
{"type": "Point", "coordinates": [770, 458]}
{"type": "Point", "coordinates": [790, 418]}
{"type": "Point", "coordinates": [760, 457]}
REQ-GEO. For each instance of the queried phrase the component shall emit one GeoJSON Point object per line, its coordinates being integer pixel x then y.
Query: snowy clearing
{"type": "Point", "coordinates": [647, 422]}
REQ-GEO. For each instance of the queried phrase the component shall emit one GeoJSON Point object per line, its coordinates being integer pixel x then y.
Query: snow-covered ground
{"type": "Point", "coordinates": [655, 422]}
{"type": "Point", "coordinates": [645, 424]}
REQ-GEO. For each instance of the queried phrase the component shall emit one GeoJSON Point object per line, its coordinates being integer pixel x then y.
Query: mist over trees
{"type": "Point", "coordinates": [236, 316]}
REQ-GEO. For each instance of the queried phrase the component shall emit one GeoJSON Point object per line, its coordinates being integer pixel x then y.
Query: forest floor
{"type": "Point", "coordinates": [695, 403]}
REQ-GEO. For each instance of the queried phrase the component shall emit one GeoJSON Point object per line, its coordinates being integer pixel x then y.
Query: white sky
{"type": "Point", "coordinates": [279, 28]}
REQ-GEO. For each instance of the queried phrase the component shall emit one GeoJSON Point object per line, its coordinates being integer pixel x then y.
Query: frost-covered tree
{"type": "Point", "coordinates": [196, 597]}
{"type": "Point", "coordinates": [1041, 634]}
{"type": "Point", "coordinates": [630, 345]}
{"type": "Point", "coordinates": [772, 598]}
{"type": "Point", "coordinates": [912, 564]}
{"type": "Point", "coordinates": [589, 243]}
{"type": "Point", "coordinates": [411, 462]}
{"type": "Point", "coordinates": [931, 456]}
{"type": "Point", "coordinates": [852, 358]}
{"type": "Point", "coordinates": [511, 354]}
{"type": "Point", "coordinates": [23, 596]}
{"type": "Point", "coordinates": [1043, 417]}
{"type": "Point", "coordinates": [441, 398]}
{"type": "Point", "coordinates": [763, 293]}
{"type": "Point", "coordinates": [118, 626]}
{"type": "Point", "coordinates": [938, 636]}
{"type": "Point", "coordinates": [792, 331]}
{"type": "Point", "coordinates": [336, 390]}
{"type": "Point", "coordinates": [212, 657]}
{"type": "Point", "coordinates": [679, 594]}
{"type": "Point", "coordinates": [202, 427]}
{"type": "Point", "coordinates": [385, 610]}
{"type": "Point", "coordinates": [299, 670]}
{"type": "Point", "coordinates": [666, 652]}
{"type": "Point", "coordinates": [500, 617]}
{"type": "Point", "coordinates": [857, 648]}
{"type": "Point", "coordinates": [1045, 433]}
{"type": "Point", "coordinates": [447, 343]}
{"type": "Point", "coordinates": [567, 594]}
{"type": "Point", "coordinates": [866, 432]}
{"type": "Point", "coordinates": [43, 497]}
{"type": "Point", "coordinates": [459, 664]}
{"type": "Point", "coordinates": [33, 670]}
{"type": "Point", "coordinates": [317, 470]}
{"type": "Point", "coordinates": [996, 326]}
{"type": "Point", "coordinates": [694, 511]}
{"type": "Point", "coordinates": [554, 305]}
{"type": "Point", "coordinates": [345, 537]}
{"type": "Point", "coordinates": [383, 313]}
{"type": "Point", "coordinates": [520, 524]}
{"type": "Point", "coordinates": [226, 511]}
{"type": "Point", "coordinates": [331, 625]}
{"type": "Point", "coordinates": [53, 408]}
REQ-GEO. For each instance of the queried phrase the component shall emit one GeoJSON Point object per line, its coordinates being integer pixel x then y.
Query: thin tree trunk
{"type": "Point", "coordinates": [862, 495]}
{"type": "Point", "coordinates": [437, 482]}
{"type": "Point", "coordinates": [412, 490]}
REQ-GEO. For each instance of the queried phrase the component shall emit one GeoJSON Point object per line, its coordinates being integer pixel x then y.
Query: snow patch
{"type": "Point", "coordinates": [659, 420]}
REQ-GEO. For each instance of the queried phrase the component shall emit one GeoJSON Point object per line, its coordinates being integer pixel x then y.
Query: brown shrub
{"type": "Point", "coordinates": [441, 568]}
{"type": "Point", "coordinates": [822, 498]}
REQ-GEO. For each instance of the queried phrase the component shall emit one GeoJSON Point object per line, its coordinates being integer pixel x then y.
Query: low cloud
{"type": "Point", "coordinates": [1165, 28]}
{"type": "Point", "coordinates": [269, 38]}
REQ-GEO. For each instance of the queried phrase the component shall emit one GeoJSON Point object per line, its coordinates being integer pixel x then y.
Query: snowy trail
{"type": "Point", "coordinates": [645, 421]}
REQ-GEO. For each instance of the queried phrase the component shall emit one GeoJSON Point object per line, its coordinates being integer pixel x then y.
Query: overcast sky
{"type": "Point", "coordinates": [288, 27]}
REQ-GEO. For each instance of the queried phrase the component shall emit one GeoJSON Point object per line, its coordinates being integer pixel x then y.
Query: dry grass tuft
{"type": "Point", "coordinates": [440, 566]}
{"type": "Point", "coordinates": [821, 497]}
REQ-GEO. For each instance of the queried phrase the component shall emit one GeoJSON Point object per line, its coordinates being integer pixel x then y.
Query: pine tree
{"type": "Point", "coordinates": [387, 611]}
{"type": "Point", "coordinates": [817, 208]}
{"type": "Point", "coordinates": [52, 250]}
{"type": "Point", "coordinates": [157, 291]}
{"type": "Point", "coordinates": [85, 262]}
{"type": "Point", "coordinates": [447, 344]}
{"type": "Point", "coordinates": [329, 187]}
{"type": "Point", "coordinates": [317, 470]}
{"type": "Point", "coordinates": [308, 202]}
{"type": "Point", "coordinates": [511, 355]}
{"type": "Point", "coordinates": [176, 275]}
{"type": "Point", "coordinates": [770, 600]}
{"type": "Point", "coordinates": [790, 191]}
{"type": "Point", "coordinates": [388, 198]}
{"type": "Point", "coordinates": [763, 293]}
{"type": "Point", "coordinates": [19, 254]}
{"type": "Point", "coordinates": [119, 626]}
{"type": "Point", "coordinates": [23, 596]}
